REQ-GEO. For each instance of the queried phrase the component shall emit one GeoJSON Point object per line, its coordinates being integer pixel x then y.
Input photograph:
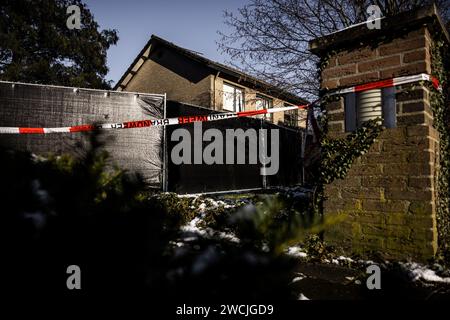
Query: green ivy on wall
{"type": "Point", "coordinates": [338, 155]}
{"type": "Point", "coordinates": [440, 105]}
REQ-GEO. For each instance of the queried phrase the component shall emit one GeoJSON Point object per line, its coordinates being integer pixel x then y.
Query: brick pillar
{"type": "Point", "coordinates": [388, 195]}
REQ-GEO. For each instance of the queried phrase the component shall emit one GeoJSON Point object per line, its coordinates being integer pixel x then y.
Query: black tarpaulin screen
{"type": "Point", "coordinates": [198, 178]}
{"type": "Point", "coordinates": [136, 150]}
{"type": "Point", "coordinates": [139, 149]}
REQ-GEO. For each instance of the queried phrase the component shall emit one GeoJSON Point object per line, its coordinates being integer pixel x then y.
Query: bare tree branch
{"type": "Point", "coordinates": [269, 38]}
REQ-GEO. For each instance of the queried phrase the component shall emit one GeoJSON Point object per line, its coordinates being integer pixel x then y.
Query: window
{"type": "Point", "coordinates": [290, 117]}
{"type": "Point", "coordinates": [370, 104]}
{"type": "Point", "coordinates": [263, 102]}
{"type": "Point", "coordinates": [233, 98]}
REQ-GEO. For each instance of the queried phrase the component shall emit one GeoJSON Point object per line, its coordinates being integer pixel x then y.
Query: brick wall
{"type": "Point", "coordinates": [154, 77]}
{"type": "Point", "coordinates": [403, 56]}
{"type": "Point", "coordinates": [389, 193]}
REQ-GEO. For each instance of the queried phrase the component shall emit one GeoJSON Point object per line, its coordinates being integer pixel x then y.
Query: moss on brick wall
{"type": "Point", "coordinates": [440, 105]}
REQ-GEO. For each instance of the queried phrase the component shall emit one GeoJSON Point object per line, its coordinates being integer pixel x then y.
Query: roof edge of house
{"type": "Point", "coordinates": [141, 53]}
{"type": "Point", "coordinates": [263, 86]}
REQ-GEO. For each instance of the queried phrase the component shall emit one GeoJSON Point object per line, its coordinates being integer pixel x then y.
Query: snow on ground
{"type": "Point", "coordinates": [196, 225]}
{"type": "Point", "coordinates": [230, 236]}
{"type": "Point", "coordinates": [345, 259]}
{"type": "Point", "coordinates": [366, 262]}
{"type": "Point", "coordinates": [206, 203]}
{"type": "Point", "coordinates": [302, 297]}
{"type": "Point", "coordinates": [300, 277]}
{"type": "Point", "coordinates": [296, 252]}
{"type": "Point", "coordinates": [414, 270]}
{"type": "Point", "coordinates": [193, 227]}
{"type": "Point", "coordinates": [38, 158]}
{"type": "Point", "coordinates": [417, 271]}
{"type": "Point", "coordinates": [218, 203]}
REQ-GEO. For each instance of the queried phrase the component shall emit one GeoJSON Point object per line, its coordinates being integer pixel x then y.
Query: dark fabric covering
{"type": "Point", "coordinates": [136, 150]}
{"type": "Point", "coordinates": [350, 112]}
{"type": "Point", "coordinates": [197, 178]}
{"type": "Point", "coordinates": [389, 109]}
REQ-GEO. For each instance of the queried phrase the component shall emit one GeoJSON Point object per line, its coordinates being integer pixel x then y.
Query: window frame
{"type": "Point", "coordinates": [261, 97]}
{"type": "Point", "coordinates": [235, 89]}
{"type": "Point", "coordinates": [294, 113]}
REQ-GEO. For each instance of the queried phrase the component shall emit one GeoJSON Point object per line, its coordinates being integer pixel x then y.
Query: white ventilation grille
{"type": "Point", "coordinates": [369, 105]}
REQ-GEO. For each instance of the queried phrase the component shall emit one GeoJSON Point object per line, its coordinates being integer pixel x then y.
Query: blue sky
{"type": "Point", "coordinates": [190, 23]}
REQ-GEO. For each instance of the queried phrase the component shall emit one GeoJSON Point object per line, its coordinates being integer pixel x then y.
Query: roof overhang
{"type": "Point", "coordinates": [405, 21]}
{"type": "Point", "coordinates": [214, 66]}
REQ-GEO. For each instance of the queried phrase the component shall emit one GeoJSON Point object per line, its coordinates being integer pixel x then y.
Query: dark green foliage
{"type": "Point", "coordinates": [213, 270]}
{"type": "Point", "coordinates": [37, 47]}
{"type": "Point", "coordinates": [217, 216]}
{"type": "Point", "coordinates": [441, 112]}
{"type": "Point", "coordinates": [338, 154]}
{"type": "Point", "coordinates": [175, 206]}
{"type": "Point", "coordinates": [62, 211]}
{"type": "Point", "coordinates": [187, 208]}
{"type": "Point", "coordinates": [275, 222]}
{"type": "Point", "coordinates": [315, 248]}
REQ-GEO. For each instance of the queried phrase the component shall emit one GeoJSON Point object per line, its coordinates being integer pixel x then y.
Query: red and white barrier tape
{"type": "Point", "coordinates": [390, 83]}
{"type": "Point", "coordinates": [148, 123]}
{"type": "Point", "coordinates": [217, 116]}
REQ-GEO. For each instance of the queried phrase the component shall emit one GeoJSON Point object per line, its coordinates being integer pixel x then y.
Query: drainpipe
{"type": "Point", "coordinates": [214, 89]}
{"type": "Point", "coordinates": [303, 145]}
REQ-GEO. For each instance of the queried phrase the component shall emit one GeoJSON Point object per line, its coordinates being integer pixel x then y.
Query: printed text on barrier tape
{"type": "Point", "coordinates": [219, 116]}
{"type": "Point", "coordinates": [390, 83]}
{"type": "Point", "coordinates": [149, 123]}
